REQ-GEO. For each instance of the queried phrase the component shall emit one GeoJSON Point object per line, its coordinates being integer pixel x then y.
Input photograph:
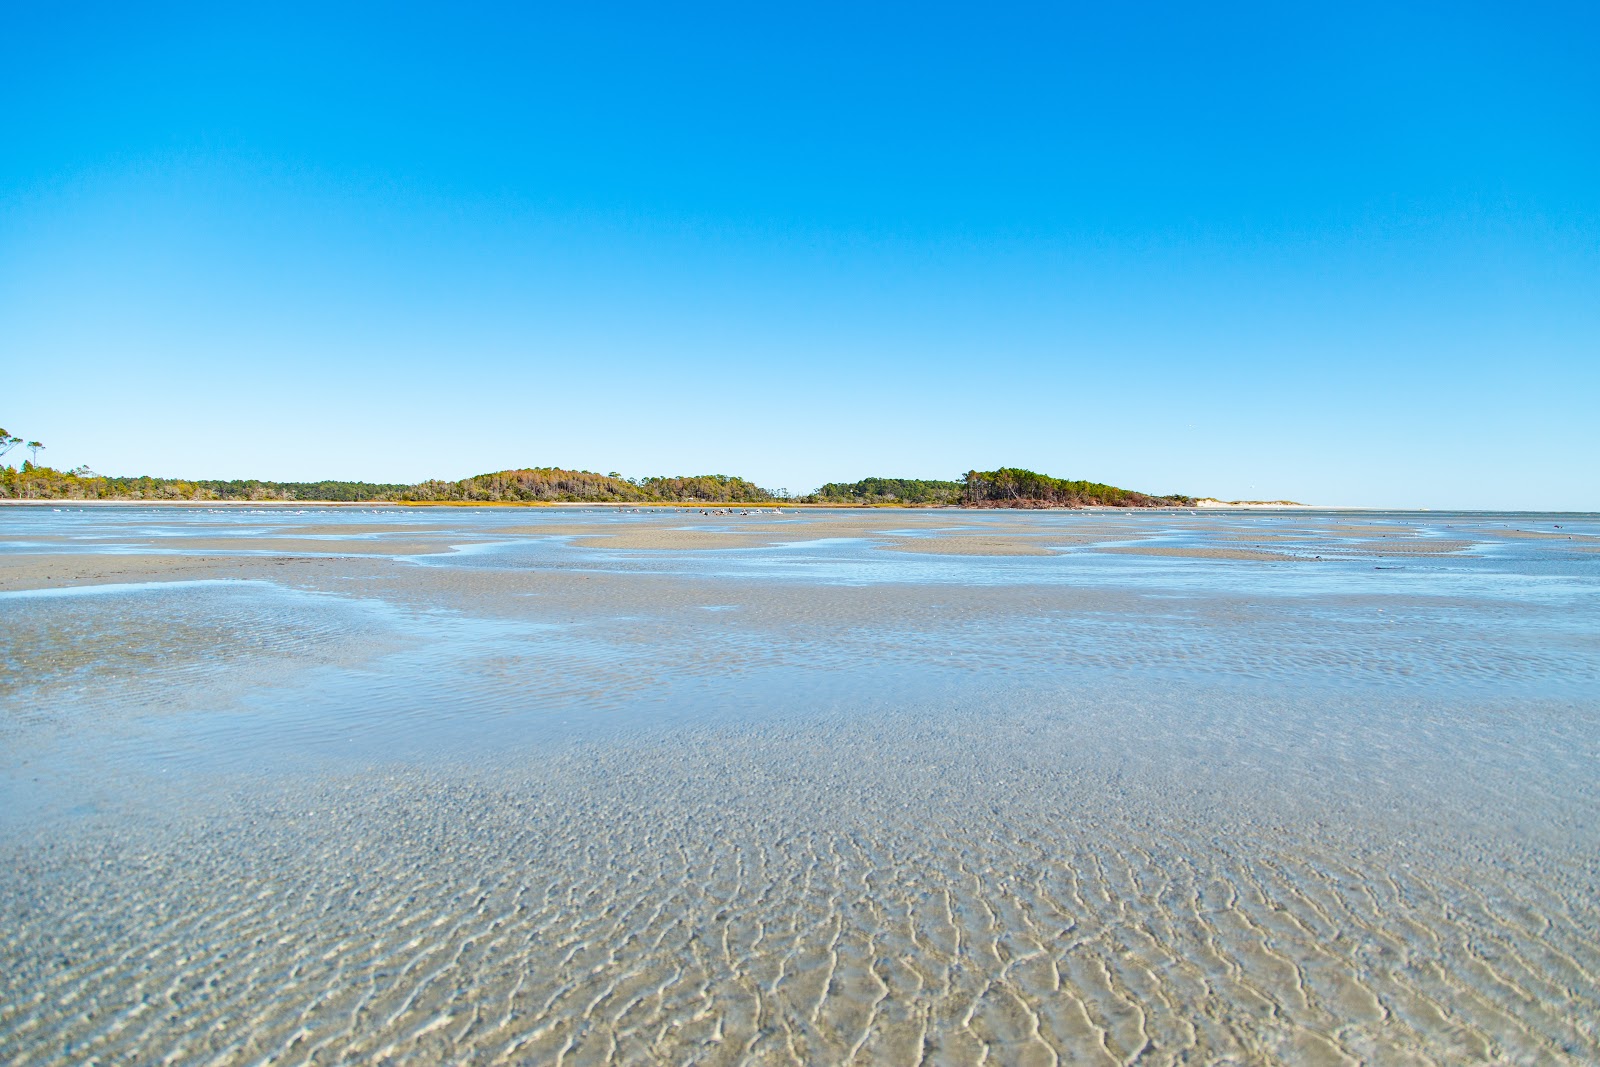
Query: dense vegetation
{"type": "Point", "coordinates": [553, 484]}
{"type": "Point", "coordinates": [545, 484]}
{"type": "Point", "coordinates": [43, 483]}
{"type": "Point", "coordinates": [888, 491]}
{"type": "Point", "coordinates": [1006, 487]}
{"type": "Point", "coordinates": [1013, 487]}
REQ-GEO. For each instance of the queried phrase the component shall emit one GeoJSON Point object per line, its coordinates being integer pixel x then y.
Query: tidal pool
{"type": "Point", "coordinates": [565, 785]}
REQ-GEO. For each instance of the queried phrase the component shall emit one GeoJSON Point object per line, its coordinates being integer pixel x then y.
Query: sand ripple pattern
{"type": "Point", "coordinates": [755, 900]}
{"type": "Point", "coordinates": [545, 802]}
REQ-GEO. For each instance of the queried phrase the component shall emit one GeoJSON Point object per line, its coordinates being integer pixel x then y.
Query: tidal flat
{"type": "Point", "coordinates": [577, 786]}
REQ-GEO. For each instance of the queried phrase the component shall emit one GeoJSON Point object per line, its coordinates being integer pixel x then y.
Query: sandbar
{"type": "Point", "coordinates": [50, 571]}
{"type": "Point", "coordinates": [670, 539]}
{"type": "Point", "coordinates": [968, 546]}
{"type": "Point", "coordinates": [1198, 553]}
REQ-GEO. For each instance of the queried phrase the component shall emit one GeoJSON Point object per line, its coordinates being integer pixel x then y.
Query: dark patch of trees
{"type": "Point", "coordinates": [1013, 487]}
{"type": "Point", "coordinates": [43, 483]}
{"type": "Point", "coordinates": [912, 491]}
{"type": "Point", "coordinates": [709, 488]}
{"type": "Point", "coordinates": [1008, 487]}
{"type": "Point", "coordinates": [556, 485]}
{"type": "Point", "coordinates": [251, 489]}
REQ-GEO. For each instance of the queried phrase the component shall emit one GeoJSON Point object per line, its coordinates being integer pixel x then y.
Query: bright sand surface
{"type": "Point", "coordinates": [566, 785]}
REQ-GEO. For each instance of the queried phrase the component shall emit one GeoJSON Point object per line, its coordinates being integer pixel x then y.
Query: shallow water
{"type": "Point", "coordinates": [482, 788]}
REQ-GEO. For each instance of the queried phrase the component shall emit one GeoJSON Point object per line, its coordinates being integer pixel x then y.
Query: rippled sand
{"type": "Point", "coordinates": [565, 797]}
{"type": "Point", "coordinates": [759, 897]}
{"type": "Point", "coordinates": [799, 894]}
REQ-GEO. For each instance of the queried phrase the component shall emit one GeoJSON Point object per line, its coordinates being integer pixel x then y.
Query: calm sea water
{"type": "Point", "coordinates": [472, 785]}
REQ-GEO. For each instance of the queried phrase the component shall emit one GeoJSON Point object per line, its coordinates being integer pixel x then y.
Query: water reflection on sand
{"type": "Point", "coordinates": [496, 786]}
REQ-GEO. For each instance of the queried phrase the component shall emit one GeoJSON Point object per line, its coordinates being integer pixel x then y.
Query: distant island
{"type": "Point", "coordinates": [1007, 487]}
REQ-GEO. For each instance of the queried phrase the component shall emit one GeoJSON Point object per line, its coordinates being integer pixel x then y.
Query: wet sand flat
{"type": "Point", "coordinates": [24, 571]}
{"type": "Point", "coordinates": [357, 529]}
{"type": "Point", "coordinates": [670, 539]}
{"type": "Point", "coordinates": [1537, 535]}
{"type": "Point", "coordinates": [1431, 547]}
{"type": "Point", "coordinates": [1181, 552]}
{"type": "Point", "coordinates": [951, 545]}
{"type": "Point", "coordinates": [724, 789]}
{"type": "Point", "coordinates": [299, 545]}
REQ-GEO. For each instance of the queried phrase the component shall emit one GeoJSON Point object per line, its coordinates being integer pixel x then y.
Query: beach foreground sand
{"type": "Point", "coordinates": [839, 787]}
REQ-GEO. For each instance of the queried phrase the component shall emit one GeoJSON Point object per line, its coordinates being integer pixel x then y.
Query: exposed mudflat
{"type": "Point", "coordinates": [834, 787]}
{"type": "Point", "coordinates": [1193, 552]}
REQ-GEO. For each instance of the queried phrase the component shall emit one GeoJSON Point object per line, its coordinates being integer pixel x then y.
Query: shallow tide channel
{"type": "Point", "coordinates": [528, 785]}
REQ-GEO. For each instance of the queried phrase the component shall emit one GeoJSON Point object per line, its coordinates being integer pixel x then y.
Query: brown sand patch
{"type": "Point", "coordinates": [1366, 528]}
{"type": "Point", "coordinates": [353, 529]}
{"type": "Point", "coordinates": [29, 571]}
{"type": "Point", "coordinates": [671, 539]}
{"type": "Point", "coordinates": [1304, 538]}
{"type": "Point", "coordinates": [968, 546]}
{"type": "Point", "coordinates": [843, 528]}
{"type": "Point", "coordinates": [860, 526]}
{"type": "Point", "coordinates": [819, 531]}
{"type": "Point", "coordinates": [1406, 548]}
{"type": "Point", "coordinates": [1533, 535]}
{"type": "Point", "coordinates": [557, 530]}
{"type": "Point", "coordinates": [310, 546]}
{"type": "Point", "coordinates": [294, 539]}
{"type": "Point", "coordinates": [1197, 553]}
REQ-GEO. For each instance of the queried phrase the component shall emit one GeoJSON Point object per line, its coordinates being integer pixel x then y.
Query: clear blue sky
{"type": "Point", "coordinates": [1343, 253]}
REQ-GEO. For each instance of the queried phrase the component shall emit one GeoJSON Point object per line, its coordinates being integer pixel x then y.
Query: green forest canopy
{"type": "Point", "coordinates": [1005, 487]}
{"type": "Point", "coordinates": [1015, 487]}
{"type": "Point", "coordinates": [889, 491]}
{"type": "Point", "coordinates": [1008, 487]}
{"type": "Point", "coordinates": [554, 484]}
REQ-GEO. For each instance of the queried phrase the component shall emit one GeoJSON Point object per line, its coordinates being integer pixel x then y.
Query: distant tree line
{"type": "Point", "coordinates": [43, 483]}
{"type": "Point", "coordinates": [554, 484]}
{"type": "Point", "coordinates": [911, 491]}
{"type": "Point", "coordinates": [1011, 487]}
{"type": "Point", "coordinates": [1007, 487]}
